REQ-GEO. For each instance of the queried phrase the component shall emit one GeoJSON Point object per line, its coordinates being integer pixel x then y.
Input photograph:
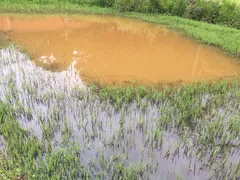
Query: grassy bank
{"type": "Point", "coordinates": [227, 39]}
{"type": "Point", "coordinates": [213, 11]}
{"type": "Point", "coordinates": [50, 123]}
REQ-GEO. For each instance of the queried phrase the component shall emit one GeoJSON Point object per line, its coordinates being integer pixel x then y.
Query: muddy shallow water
{"type": "Point", "coordinates": [60, 103]}
{"type": "Point", "coordinates": [114, 49]}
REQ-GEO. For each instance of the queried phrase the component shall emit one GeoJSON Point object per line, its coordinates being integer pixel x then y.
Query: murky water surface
{"type": "Point", "coordinates": [59, 106]}
{"type": "Point", "coordinates": [114, 49]}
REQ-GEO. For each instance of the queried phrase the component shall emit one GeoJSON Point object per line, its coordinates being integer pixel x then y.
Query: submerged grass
{"type": "Point", "coordinates": [27, 157]}
{"type": "Point", "coordinates": [54, 128]}
{"type": "Point", "coordinates": [107, 132]}
{"type": "Point", "coordinates": [3, 41]}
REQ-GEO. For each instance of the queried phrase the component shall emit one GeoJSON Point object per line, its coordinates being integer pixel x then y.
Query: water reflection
{"type": "Point", "coordinates": [118, 50]}
{"type": "Point", "coordinates": [60, 103]}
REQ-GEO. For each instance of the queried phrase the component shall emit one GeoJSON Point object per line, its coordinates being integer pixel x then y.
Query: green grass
{"type": "Point", "coordinates": [215, 135]}
{"type": "Point", "coordinates": [237, 1]}
{"type": "Point", "coordinates": [24, 150]}
{"type": "Point", "coordinates": [3, 41]}
{"type": "Point", "coordinates": [219, 36]}
{"type": "Point", "coordinates": [202, 117]}
{"type": "Point", "coordinates": [215, 12]}
{"type": "Point", "coordinates": [24, 159]}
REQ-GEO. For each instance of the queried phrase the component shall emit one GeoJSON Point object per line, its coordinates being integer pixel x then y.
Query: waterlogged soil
{"type": "Point", "coordinates": [112, 49]}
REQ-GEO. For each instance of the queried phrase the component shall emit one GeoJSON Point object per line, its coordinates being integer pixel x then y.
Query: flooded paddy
{"type": "Point", "coordinates": [91, 133]}
{"type": "Point", "coordinates": [112, 49]}
{"type": "Point", "coordinates": [141, 139]}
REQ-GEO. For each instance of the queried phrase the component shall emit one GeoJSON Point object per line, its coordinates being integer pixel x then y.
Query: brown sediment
{"type": "Point", "coordinates": [116, 50]}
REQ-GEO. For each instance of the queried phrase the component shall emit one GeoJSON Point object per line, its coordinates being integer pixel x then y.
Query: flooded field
{"type": "Point", "coordinates": [142, 139]}
{"type": "Point", "coordinates": [78, 131]}
{"type": "Point", "coordinates": [112, 49]}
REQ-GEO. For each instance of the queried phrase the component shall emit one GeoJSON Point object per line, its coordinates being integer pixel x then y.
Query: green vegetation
{"type": "Point", "coordinates": [215, 35]}
{"type": "Point", "coordinates": [3, 41]}
{"type": "Point", "coordinates": [72, 130]}
{"type": "Point", "coordinates": [26, 159]}
{"type": "Point", "coordinates": [236, 1]}
{"type": "Point", "coordinates": [56, 128]}
{"type": "Point", "coordinates": [224, 12]}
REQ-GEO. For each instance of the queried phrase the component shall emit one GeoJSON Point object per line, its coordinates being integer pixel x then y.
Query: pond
{"type": "Point", "coordinates": [112, 49]}
{"type": "Point", "coordinates": [178, 134]}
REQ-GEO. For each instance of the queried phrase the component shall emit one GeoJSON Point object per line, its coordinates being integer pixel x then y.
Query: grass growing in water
{"type": "Point", "coordinates": [202, 118]}
{"type": "Point", "coordinates": [95, 132]}
{"type": "Point", "coordinates": [3, 41]}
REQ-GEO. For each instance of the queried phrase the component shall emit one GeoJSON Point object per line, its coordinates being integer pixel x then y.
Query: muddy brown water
{"type": "Point", "coordinates": [59, 97]}
{"type": "Point", "coordinates": [112, 49]}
